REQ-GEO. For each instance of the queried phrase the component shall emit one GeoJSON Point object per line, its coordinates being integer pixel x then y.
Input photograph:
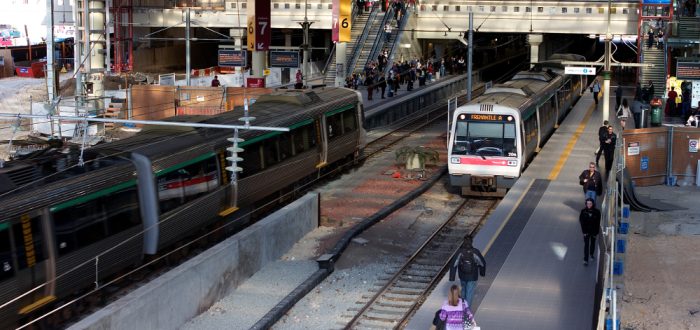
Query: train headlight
{"type": "Point", "coordinates": [455, 160]}
{"type": "Point", "coordinates": [462, 116]}
{"type": "Point", "coordinates": [510, 118]}
{"type": "Point", "coordinates": [512, 163]}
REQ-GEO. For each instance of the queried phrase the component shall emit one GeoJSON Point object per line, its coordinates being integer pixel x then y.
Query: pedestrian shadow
{"type": "Point", "coordinates": [576, 205]}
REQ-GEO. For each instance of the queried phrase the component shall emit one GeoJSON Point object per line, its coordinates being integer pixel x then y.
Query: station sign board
{"type": "Point", "coordinates": [284, 59]}
{"type": "Point", "coordinates": [580, 70]}
{"type": "Point", "coordinates": [258, 25]}
{"type": "Point", "coordinates": [688, 71]}
{"type": "Point", "coordinates": [341, 20]}
{"type": "Point", "coordinates": [232, 57]}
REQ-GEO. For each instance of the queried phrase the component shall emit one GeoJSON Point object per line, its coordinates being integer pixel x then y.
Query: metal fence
{"type": "Point", "coordinates": [420, 101]}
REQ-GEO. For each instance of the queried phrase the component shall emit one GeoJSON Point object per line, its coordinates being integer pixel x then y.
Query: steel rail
{"type": "Point", "coordinates": [399, 272]}
{"type": "Point", "coordinates": [443, 269]}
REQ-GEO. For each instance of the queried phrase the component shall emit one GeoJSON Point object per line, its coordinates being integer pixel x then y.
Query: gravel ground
{"type": "Point", "coordinates": [326, 307]}
{"type": "Point", "coordinates": [255, 297]}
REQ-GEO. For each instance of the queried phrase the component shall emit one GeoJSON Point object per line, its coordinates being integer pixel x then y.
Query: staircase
{"type": "Point", "coordinates": [689, 28]}
{"type": "Point", "coordinates": [358, 26]}
{"type": "Point", "coordinates": [376, 35]}
{"type": "Point", "coordinates": [657, 73]}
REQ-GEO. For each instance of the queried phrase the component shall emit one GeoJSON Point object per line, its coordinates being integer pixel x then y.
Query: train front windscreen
{"type": "Point", "coordinates": [485, 136]}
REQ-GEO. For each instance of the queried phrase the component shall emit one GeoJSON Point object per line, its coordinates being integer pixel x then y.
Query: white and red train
{"type": "Point", "coordinates": [494, 135]}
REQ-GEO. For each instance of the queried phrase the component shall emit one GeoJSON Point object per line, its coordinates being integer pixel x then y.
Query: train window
{"type": "Point", "coordinates": [504, 9]}
{"type": "Point", "coordinates": [252, 162]}
{"type": "Point", "coordinates": [187, 183]}
{"type": "Point", "coordinates": [7, 269]}
{"type": "Point", "coordinates": [330, 6]}
{"type": "Point", "coordinates": [540, 9]}
{"type": "Point", "coordinates": [270, 148]}
{"type": "Point", "coordinates": [276, 6]}
{"type": "Point", "coordinates": [297, 6]}
{"type": "Point", "coordinates": [285, 145]}
{"type": "Point", "coordinates": [445, 8]}
{"type": "Point", "coordinates": [516, 9]}
{"type": "Point", "coordinates": [319, 6]}
{"type": "Point", "coordinates": [458, 8]}
{"type": "Point", "coordinates": [564, 10]}
{"type": "Point", "coordinates": [87, 222]}
{"type": "Point", "coordinates": [433, 8]}
{"type": "Point", "coordinates": [528, 9]}
{"type": "Point", "coordinates": [625, 11]}
{"type": "Point", "coordinates": [122, 208]}
{"type": "Point", "coordinates": [589, 10]}
{"type": "Point", "coordinates": [576, 10]}
{"type": "Point", "coordinates": [481, 8]}
{"type": "Point", "coordinates": [334, 125]}
{"type": "Point", "coordinates": [304, 138]}
{"type": "Point", "coordinates": [469, 8]}
{"type": "Point", "coordinates": [29, 241]}
{"type": "Point", "coordinates": [349, 121]}
{"type": "Point", "coordinates": [485, 138]}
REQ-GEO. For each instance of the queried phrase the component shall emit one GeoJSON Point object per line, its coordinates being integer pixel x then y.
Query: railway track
{"type": "Point", "coordinates": [405, 128]}
{"type": "Point", "coordinates": [392, 135]}
{"type": "Point", "coordinates": [400, 296]}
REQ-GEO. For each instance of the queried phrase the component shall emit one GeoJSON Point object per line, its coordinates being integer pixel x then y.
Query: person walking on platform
{"type": "Point", "coordinates": [382, 85]}
{"type": "Point", "coordinates": [623, 113]}
{"type": "Point", "coordinates": [638, 93]}
{"type": "Point", "coordinates": [369, 82]}
{"type": "Point", "coordinates": [590, 226]}
{"type": "Point", "coordinates": [596, 90]}
{"type": "Point", "coordinates": [469, 263]}
{"type": "Point", "coordinates": [455, 310]}
{"type": "Point", "coordinates": [618, 95]}
{"type": "Point", "coordinates": [609, 141]}
{"type": "Point", "coordinates": [650, 91]}
{"type": "Point", "coordinates": [601, 134]}
{"type": "Point", "coordinates": [671, 101]}
{"type": "Point", "coordinates": [592, 182]}
{"type": "Point", "coordinates": [637, 112]}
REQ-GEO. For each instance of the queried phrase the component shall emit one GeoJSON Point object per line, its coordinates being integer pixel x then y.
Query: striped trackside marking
{"type": "Point", "coordinates": [488, 246]}
{"type": "Point", "coordinates": [565, 155]}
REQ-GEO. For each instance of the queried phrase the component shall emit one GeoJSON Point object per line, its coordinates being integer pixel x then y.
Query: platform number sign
{"type": "Point", "coordinates": [645, 163]}
{"type": "Point", "coordinates": [258, 25]}
{"type": "Point", "coordinates": [341, 21]}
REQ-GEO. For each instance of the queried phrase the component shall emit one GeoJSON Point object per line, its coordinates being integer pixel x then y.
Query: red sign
{"type": "Point", "coordinates": [480, 161]}
{"type": "Point", "coordinates": [335, 21]}
{"type": "Point", "coordinates": [256, 82]}
{"type": "Point", "coordinates": [259, 25]}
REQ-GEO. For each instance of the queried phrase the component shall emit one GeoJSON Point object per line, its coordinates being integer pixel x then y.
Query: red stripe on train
{"type": "Point", "coordinates": [480, 161]}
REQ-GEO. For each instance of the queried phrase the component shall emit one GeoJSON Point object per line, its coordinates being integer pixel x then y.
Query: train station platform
{"type": "Point", "coordinates": [532, 243]}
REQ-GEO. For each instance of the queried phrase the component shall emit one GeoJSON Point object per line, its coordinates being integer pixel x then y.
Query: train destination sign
{"type": "Point", "coordinates": [489, 117]}
{"type": "Point", "coordinates": [232, 57]}
{"type": "Point", "coordinates": [580, 70]}
{"type": "Point", "coordinates": [284, 59]}
{"type": "Point", "coordinates": [688, 71]}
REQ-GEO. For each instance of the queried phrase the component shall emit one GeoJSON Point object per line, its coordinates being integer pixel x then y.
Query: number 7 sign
{"type": "Point", "coordinates": [258, 25]}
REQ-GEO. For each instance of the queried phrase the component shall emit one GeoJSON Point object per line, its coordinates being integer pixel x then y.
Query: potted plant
{"type": "Point", "coordinates": [416, 157]}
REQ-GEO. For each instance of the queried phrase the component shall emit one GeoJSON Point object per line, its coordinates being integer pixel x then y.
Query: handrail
{"type": "Point", "coordinates": [363, 37]}
{"type": "Point", "coordinates": [328, 61]}
{"type": "Point", "coordinates": [377, 46]}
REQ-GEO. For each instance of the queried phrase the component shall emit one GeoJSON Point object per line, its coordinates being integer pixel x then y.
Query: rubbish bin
{"type": "Point", "coordinates": [644, 118]}
{"type": "Point", "coordinates": [656, 115]}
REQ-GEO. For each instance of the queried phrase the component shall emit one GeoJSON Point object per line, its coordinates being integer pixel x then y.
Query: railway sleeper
{"type": "Point", "coordinates": [386, 312]}
{"type": "Point", "coordinates": [403, 299]}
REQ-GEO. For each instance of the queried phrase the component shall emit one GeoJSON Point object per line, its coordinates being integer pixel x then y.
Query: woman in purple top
{"type": "Point", "coordinates": [453, 308]}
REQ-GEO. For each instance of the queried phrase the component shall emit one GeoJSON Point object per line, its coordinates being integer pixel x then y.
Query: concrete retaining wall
{"type": "Point", "coordinates": [188, 290]}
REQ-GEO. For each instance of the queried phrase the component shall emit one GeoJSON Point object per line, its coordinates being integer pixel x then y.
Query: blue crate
{"type": "Point", "coordinates": [625, 211]}
{"type": "Point", "coordinates": [621, 245]}
{"type": "Point", "coordinates": [608, 323]}
{"type": "Point", "coordinates": [624, 228]}
{"type": "Point", "coordinates": [618, 266]}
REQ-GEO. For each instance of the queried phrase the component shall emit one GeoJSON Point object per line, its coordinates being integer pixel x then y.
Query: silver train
{"type": "Point", "coordinates": [493, 136]}
{"type": "Point", "coordinates": [55, 216]}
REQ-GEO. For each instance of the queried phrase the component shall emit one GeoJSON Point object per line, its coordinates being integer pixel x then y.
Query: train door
{"type": "Point", "coordinates": [35, 254]}
{"type": "Point", "coordinates": [322, 136]}
{"type": "Point", "coordinates": [539, 130]}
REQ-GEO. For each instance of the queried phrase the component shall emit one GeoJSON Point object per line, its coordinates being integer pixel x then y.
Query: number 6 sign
{"type": "Point", "coordinates": [341, 20]}
{"type": "Point", "coordinates": [258, 25]}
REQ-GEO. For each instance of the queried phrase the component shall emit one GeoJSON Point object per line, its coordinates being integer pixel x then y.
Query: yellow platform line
{"type": "Point", "coordinates": [488, 246]}
{"type": "Point", "coordinates": [565, 155]}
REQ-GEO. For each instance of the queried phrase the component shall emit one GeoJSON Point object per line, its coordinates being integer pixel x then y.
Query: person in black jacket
{"type": "Point", "coordinates": [601, 133]}
{"type": "Point", "coordinates": [608, 141]}
{"type": "Point", "coordinates": [468, 254]}
{"type": "Point", "coordinates": [382, 84]}
{"type": "Point", "coordinates": [592, 182]}
{"type": "Point", "coordinates": [590, 226]}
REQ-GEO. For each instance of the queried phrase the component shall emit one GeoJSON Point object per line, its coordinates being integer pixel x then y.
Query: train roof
{"type": "Point", "coordinates": [168, 146]}
{"type": "Point", "coordinates": [528, 86]}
